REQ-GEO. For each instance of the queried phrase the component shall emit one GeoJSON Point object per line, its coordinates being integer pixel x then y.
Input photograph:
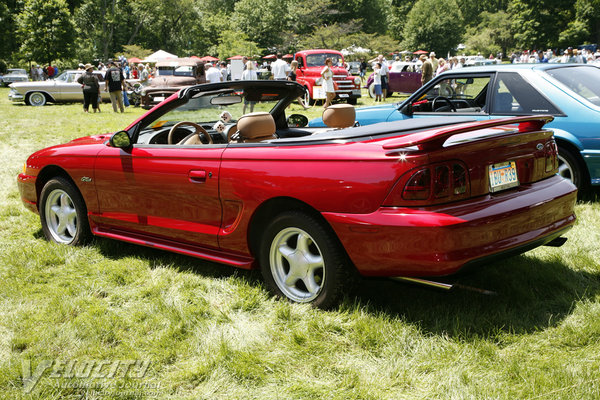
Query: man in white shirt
{"type": "Point", "coordinates": [213, 75]}
{"type": "Point", "coordinates": [280, 69]}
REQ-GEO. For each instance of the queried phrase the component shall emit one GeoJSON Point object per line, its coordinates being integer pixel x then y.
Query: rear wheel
{"type": "Point", "coordinates": [302, 261]}
{"type": "Point", "coordinates": [36, 99]}
{"type": "Point", "coordinates": [372, 91]}
{"type": "Point", "coordinates": [569, 167]}
{"type": "Point", "coordinates": [63, 213]}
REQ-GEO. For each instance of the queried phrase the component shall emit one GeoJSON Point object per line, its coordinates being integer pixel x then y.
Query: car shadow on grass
{"type": "Point", "coordinates": [530, 295]}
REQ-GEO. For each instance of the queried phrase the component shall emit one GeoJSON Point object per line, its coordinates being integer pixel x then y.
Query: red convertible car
{"type": "Point", "coordinates": [200, 175]}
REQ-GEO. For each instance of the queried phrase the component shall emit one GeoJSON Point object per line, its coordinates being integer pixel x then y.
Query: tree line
{"type": "Point", "coordinates": [71, 31]}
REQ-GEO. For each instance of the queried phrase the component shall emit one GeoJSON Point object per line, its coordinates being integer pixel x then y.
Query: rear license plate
{"type": "Point", "coordinates": [159, 98]}
{"type": "Point", "coordinates": [344, 95]}
{"type": "Point", "coordinates": [503, 176]}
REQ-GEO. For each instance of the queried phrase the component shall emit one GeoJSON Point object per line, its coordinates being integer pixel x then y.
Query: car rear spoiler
{"type": "Point", "coordinates": [433, 139]}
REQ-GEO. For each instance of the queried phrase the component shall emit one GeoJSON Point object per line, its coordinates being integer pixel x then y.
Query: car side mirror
{"type": "Point", "coordinates": [120, 140]}
{"type": "Point", "coordinates": [297, 121]}
{"type": "Point", "coordinates": [407, 110]}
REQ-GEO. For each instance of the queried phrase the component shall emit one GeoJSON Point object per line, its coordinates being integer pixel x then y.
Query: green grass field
{"type": "Point", "coordinates": [207, 331]}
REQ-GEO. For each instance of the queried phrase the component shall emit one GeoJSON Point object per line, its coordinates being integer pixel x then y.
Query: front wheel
{"type": "Point", "coordinates": [308, 101]}
{"type": "Point", "coordinates": [36, 99]}
{"type": "Point", "coordinates": [302, 261]}
{"type": "Point", "coordinates": [63, 213]}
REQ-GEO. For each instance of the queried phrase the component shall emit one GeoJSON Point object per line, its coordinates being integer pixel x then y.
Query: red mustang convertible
{"type": "Point", "coordinates": [217, 171]}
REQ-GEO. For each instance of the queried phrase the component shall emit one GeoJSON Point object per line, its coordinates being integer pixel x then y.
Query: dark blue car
{"type": "Point", "coordinates": [569, 92]}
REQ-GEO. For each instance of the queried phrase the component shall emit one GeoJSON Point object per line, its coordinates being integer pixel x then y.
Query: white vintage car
{"type": "Point", "coordinates": [14, 75]}
{"type": "Point", "coordinates": [64, 88]}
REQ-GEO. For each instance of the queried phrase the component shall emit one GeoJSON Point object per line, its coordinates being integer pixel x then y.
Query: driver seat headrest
{"type": "Point", "coordinates": [339, 116]}
{"type": "Point", "coordinates": [256, 127]}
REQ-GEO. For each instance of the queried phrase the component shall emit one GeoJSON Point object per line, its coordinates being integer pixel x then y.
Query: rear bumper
{"type": "Point", "coordinates": [441, 240]}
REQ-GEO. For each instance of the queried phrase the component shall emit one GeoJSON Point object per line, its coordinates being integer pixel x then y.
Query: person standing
{"type": "Point", "coordinates": [426, 70]}
{"type": "Point", "coordinates": [280, 69]}
{"type": "Point", "coordinates": [249, 74]}
{"type": "Point", "coordinates": [377, 81]}
{"type": "Point", "coordinates": [327, 75]}
{"type": "Point", "coordinates": [213, 74]}
{"type": "Point", "coordinates": [115, 85]}
{"type": "Point", "coordinates": [362, 69]}
{"type": "Point", "coordinates": [91, 88]}
{"type": "Point", "coordinates": [292, 77]}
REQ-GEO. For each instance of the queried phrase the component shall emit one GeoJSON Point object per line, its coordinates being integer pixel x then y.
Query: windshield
{"type": "Point", "coordinates": [184, 70]}
{"type": "Point", "coordinates": [216, 111]}
{"type": "Point", "coordinates": [583, 80]}
{"type": "Point", "coordinates": [318, 60]}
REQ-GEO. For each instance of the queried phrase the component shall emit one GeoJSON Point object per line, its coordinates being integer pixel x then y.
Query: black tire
{"type": "Point", "coordinates": [63, 213]}
{"type": "Point", "coordinates": [352, 101]}
{"type": "Point", "coordinates": [569, 168]}
{"type": "Point", "coordinates": [321, 282]}
{"type": "Point", "coordinates": [36, 99]}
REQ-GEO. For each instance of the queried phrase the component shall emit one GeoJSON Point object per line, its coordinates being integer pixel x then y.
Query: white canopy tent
{"type": "Point", "coordinates": [158, 56]}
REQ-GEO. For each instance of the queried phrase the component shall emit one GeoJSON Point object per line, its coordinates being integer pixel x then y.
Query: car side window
{"type": "Point", "coordinates": [457, 95]}
{"type": "Point", "coordinates": [513, 95]}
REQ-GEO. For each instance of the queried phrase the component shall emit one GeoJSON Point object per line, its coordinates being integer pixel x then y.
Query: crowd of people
{"type": "Point", "coordinates": [117, 72]}
{"type": "Point", "coordinates": [570, 55]}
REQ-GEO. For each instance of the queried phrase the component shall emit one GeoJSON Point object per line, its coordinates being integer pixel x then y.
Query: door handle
{"type": "Point", "coordinates": [197, 176]}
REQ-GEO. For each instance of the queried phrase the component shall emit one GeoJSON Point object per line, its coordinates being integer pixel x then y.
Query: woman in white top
{"type": "Point", "coordinates": [249, 74]}
{"type": "Point", "coordinates": [327, 75]}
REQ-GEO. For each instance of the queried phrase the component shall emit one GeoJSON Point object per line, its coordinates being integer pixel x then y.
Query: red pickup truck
{"type": "Point", "coordinates": [310, 65]}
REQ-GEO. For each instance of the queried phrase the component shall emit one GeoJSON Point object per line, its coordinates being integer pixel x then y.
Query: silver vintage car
{"type": "Point", "coordinates": [64, 88]}
{"type": "Point", "coordinates": [14, 75]}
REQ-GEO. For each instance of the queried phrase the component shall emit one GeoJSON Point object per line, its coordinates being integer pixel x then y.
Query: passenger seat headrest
{"type": "Point", "coordinates": [256, 125]}
{"type": "Point", "coordinates": [339, 116]}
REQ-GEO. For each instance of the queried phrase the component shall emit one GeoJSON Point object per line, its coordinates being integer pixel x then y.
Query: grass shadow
{"type": "Point", "coordinates": [117, 250]}
{"type": "Point", "coordinates": [531, 295]}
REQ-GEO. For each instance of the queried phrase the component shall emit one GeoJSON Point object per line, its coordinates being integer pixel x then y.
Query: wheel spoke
{"type": "Point", "coordinates": [303, 243]}
{"type": "Point", "coordinates": [286, 251]}
{"type": "Point", "coordinates": [311, 285]}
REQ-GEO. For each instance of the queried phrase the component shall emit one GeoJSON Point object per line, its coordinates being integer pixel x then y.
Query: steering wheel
{"type": "Point", "coordinates": [442, 98]}
{"type": "Point", "coordinates": [198, 128]}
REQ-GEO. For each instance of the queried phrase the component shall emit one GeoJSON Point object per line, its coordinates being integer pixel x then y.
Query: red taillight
{"type": "Point", "coordinates": [418, 186]}
{"type": "Point", "coordinates": [551, 156]}
{"type": "Point", "coordinates": [432, 184]}
{"type": "Point", "coordinates": [441, 182]}
{"type": "Point", "coordinates": [459, 179]}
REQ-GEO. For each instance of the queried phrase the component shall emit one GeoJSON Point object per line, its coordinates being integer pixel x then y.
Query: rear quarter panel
{"type": "Point", "coordinates": [347, 178]}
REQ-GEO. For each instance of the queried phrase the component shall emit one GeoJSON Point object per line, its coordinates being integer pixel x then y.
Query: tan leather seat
{"type": "Point", "coordinates": [256, 127]}
{"type": "Point", "coordinates": [339, 116]}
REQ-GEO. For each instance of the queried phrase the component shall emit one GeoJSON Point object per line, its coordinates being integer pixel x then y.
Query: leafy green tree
{"type": "Point", "coordinates": [433, 25]}
{"type": "Point", "coordinates": [370, 15]}
{"type": "Point", "coordinates": [472, 9]}
{"type": "Point", "coordinates": [45, 30]}
{"type": "Point", "coordinates": [585, 27]}
{"type": "Point", "coordinates": [263, 21]}
{"type": "Point", "coordinates": [492, 35]}
{"type": "Point", "coordinates": [8, 10]}
{"type": "Point", "coordinates": [232, 43]}
{"type": "Point", "coordinates": [537, 23]}
{"type": "Point", "coordinates": [397, 15]}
